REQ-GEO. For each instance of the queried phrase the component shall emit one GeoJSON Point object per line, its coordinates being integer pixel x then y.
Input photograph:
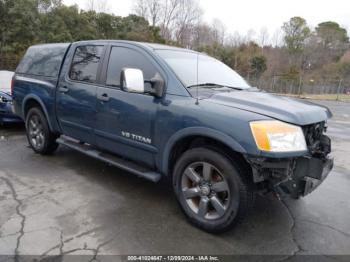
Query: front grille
{"type": "Point", "coordinates": [313, 135]}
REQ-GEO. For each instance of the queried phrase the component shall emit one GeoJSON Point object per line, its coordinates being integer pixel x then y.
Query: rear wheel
{"type": "Point", "coordinates": [39, 136]}
{"type": "Point", "coordinates": [211, 189]}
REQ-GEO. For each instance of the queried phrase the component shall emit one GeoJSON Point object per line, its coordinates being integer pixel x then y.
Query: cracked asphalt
{"type": "Point", "coordinates": [69, 203]}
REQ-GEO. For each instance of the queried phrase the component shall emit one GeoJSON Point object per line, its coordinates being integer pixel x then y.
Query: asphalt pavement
{"type": "Point", "coordinates": [70, 204]}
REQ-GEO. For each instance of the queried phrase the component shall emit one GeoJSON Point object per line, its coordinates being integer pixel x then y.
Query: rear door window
{"type": "Point", "coordinates": [85, 63]}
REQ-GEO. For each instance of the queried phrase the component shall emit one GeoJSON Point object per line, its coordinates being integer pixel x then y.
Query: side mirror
{"type": "Point", "coordinates": [131, 80]}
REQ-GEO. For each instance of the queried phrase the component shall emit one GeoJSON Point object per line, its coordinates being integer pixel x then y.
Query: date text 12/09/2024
{"type": "Point", "coordinates": [173, 258]}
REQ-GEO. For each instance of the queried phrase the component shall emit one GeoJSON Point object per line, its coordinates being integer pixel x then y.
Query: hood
{"type": "Point", "coordinates": [286, 109]}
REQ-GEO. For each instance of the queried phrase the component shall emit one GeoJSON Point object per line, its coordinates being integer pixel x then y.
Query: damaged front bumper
{"type": "Point", "coordinates": [292, 177]}
{"type": "Point", "coordinates": [317, 171]}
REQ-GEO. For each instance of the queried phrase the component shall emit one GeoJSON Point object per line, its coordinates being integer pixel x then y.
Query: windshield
{"type": "Point", "coordinates": [210, 70]}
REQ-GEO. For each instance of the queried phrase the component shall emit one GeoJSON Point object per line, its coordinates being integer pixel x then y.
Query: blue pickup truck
{"type": "Point", "coordinates": [156, 111]}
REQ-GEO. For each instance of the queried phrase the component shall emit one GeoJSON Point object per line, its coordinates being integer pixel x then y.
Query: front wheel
{"type": "Point", "coordinates": [39, 136]}
{"type": "Point", "coordinates": [211, 189]}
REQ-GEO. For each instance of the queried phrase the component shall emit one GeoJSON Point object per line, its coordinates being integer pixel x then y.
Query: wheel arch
{"type": "Point", "coordinates": [193, 137]}
{"type": "Point", "coordinates": [32, 101]}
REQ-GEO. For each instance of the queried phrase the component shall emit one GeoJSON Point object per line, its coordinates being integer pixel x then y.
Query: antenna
{"type": "Point", "coordinates": [197, 87]}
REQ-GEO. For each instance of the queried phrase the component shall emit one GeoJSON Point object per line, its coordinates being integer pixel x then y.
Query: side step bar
{"type": "Point", "coordinates": [110, 159]}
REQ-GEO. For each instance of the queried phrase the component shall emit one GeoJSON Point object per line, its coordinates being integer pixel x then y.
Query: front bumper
{"type": "Point", "coordinates": [292, 177]}
{"type": "Point", "coordinates": [305, 177]}
{"type": "Point", "coordinates": [317, 172]}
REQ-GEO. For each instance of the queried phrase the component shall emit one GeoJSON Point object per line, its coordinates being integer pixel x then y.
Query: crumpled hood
{"type": "Point", "coordinates": [279, 107]}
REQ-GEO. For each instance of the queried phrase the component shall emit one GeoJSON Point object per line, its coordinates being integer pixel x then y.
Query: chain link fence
{"type": "Point", "coordinates": [9, 62]}
{"type": "Point", "coordinates": [324, 88]}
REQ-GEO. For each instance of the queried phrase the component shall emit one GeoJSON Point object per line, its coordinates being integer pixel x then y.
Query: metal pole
{"type": "Point", "coordinates": [300, 81]}
{"type": "Point", "coordinates": [338, 90]}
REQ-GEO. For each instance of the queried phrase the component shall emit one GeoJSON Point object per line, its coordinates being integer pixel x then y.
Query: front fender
{"type": "Point", "coordinates": [197, 131]}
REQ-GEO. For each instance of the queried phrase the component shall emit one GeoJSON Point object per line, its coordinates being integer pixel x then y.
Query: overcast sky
{"type": "Point", "coordinates": [243, 15]}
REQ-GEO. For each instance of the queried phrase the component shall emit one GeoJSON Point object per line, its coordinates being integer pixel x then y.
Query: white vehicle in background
{"type": "Point", "coordinates": [6, 114]}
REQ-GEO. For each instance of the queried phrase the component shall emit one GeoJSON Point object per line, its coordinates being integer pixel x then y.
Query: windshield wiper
{"type": "Point", "coordinates": [206, 84]}
{"type": "Point", "coordinates": [211, 85]}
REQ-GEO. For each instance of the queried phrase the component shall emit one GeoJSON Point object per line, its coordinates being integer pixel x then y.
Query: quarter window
{"type": "Point", "coordinates": [122, 57]}
{"type": "Point", "coordinates": [85, 63]}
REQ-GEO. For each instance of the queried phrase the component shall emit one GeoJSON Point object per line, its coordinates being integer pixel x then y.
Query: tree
{"type": "Point", "coordinates": [136, 28]}
{"type": "Point", "coordinates": [277, 38]}
{"type": "Point", "coordinates": [177, 19]}
{"type": "Point", "coordinates": [45, 6]}
{"type": "Point", "coordinates": [170, 11]}
{"type": "Point", "coordinates": [296, 32]}
{"type": "Point", "coordinates": [263, 37]}
{"type": "Point", "coordinates": [19, 22]}
{"type": "Point", "coordinates": [218, 31]}
{"type": "Point", "coordinates": [149, 9]}
{"type": "Point", "coordinates": [99, 6]}
{"type": "Point", "coordinates": [331, 34]}
{"type": "Point", "coordinates": [333, 40]}
{"type": "Point", "coordinates": [258, 66]}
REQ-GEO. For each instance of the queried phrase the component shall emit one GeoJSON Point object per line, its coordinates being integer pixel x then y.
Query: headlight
{"type": "Point", "coordinates": [3, 100]}
{"type": "Point", "coordinates": [277, 136]}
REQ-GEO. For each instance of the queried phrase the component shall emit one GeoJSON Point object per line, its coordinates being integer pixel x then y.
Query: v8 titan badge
{"type": "Point", "coordinates": [138, 138]}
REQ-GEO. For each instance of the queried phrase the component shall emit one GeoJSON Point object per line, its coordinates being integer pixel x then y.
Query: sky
{"type": "Point", "coordinates": [244, 15]}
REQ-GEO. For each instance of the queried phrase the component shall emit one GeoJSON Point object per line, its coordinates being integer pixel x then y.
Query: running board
{"type": "Point", "coordinates": [110, 159]}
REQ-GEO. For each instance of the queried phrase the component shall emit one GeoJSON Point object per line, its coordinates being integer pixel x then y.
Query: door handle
{"type": "Point", "coordinates": [63, 89]}
{"type": "Point", "coordinates": [104, 97]}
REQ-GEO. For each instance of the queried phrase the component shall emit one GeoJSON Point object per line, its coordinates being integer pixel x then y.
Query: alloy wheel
{"type": "Point", "coordinates": [205, 190]}
{"type": "Point", "coordinates": [36, 132]}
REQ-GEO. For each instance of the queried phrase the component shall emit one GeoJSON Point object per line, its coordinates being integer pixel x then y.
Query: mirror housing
{"type": "Point", "coordinates": [157, 83]}
{"type": "Point", "coordinates": [131, 80]}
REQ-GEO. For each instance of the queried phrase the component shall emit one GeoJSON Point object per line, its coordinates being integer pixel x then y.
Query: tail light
{"type": "Point", "coordinates": [12, 84]}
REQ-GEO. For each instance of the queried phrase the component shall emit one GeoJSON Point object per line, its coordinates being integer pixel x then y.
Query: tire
{"type": "Point", "coordinates": [39, 136]}
{"type": "Point", "coordinates": [213, 191]}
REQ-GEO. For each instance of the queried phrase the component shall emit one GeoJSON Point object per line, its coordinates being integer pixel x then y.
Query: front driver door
{"type": "Point", "coordinates": [125, 121]}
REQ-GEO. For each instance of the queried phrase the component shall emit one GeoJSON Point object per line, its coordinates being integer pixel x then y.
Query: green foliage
{"type": "Point", "coordinates": [245, 59]}
{"type": "Point", "coordinates": [296, 32]}
{"type": "Point", "coordinates": [258, 65]}
{"type": "Point", "coordinates": [27, 22]}
{"type": "Point", "coordinates": [19, 25]}
{"type": "Point", "coordinates": [331, 34]}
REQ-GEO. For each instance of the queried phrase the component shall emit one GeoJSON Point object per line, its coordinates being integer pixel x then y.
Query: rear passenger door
{"type": "Point", "coordinates": [76, 93]}
{"type": "Point", "coordinates": [125, 121]}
